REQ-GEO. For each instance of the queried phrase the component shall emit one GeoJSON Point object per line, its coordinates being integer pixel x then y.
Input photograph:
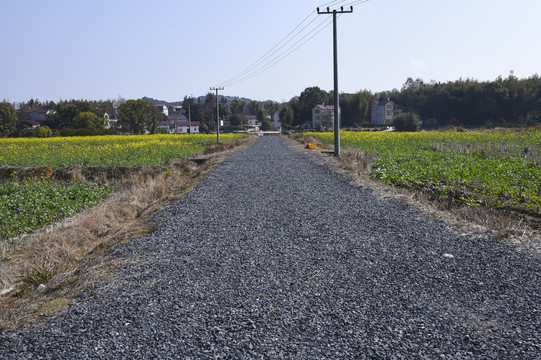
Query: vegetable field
{"type": "Point", "coordinates": [496, 168]}
{"type": "Point", "coordinates": [29, 205]}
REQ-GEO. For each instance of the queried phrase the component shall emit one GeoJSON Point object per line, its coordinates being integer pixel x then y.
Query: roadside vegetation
{"type": "Point", "coordinates": [27, 206]}
{"type": "Point", "coordinates": [497, 168]}
{"type": "Point", "coordinates": [29, 202]}
{"type": "Point", "coordinates": [57, 222]}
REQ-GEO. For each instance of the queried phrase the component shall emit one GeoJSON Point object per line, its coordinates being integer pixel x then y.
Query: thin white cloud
{"type": "Point", "coordinates": [418, 64]}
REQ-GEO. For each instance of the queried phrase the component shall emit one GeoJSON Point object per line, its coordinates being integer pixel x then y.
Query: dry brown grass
{"type": "Point", "coordinates": [518, 229]}
{"type": "Point", "coordinates": [75, 246]}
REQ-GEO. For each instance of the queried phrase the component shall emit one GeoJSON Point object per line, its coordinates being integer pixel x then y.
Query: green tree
{"type": "Point", "coordinates": [188, 103]}
{"type": "Point", "coordinates": [140, 116]}
{"type": "Point", "coordinates": [406, 122]}
{"type": "Point", "coordinates": [238, 119]}
{"type": "Point", "coordinates": [52, 120]}
{"type": "Point", "coordinates": [311, 97]}
{"type": "Point", "coordinates": [198, 113]}
{"type": "Point", "coordinates": [88, 120]}
{"type": "Point", "coordinates": [258, 109]}
{"type": "Point", "coordinates": [286, 115]}
{"type": "Point", "coordinates": [8, 119]}
{"type": "Point", "coordinates": [266, 125]}
{"type": "Point", "coordinates": [43, 132]}
{"type": "Point", "coordinates": [238, 107]}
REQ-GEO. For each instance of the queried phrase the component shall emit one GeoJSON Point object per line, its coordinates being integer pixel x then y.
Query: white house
{"type": "Point", "coordinates": [185, 127]}
{"type": "Point", "coordinates": [179, 125]}
{"type": "Point", "coordinates": [276, 121]}
{"type": "Point", "coordinates": [323, 117]}
{"type": "Point", "coordinates": [383, 112]}
{"type": "Point", "coordinates": [166, 125]}
{"type": "Point", "coordinates": [252, 120]}
{"type": "Point", "coordinates": [163, 109]}
{"type": "Point", "coordinates": [175, 110]}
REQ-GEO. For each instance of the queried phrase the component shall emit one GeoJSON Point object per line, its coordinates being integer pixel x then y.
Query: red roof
{"type": "Point", "coordinates": [187, 123]}
{"type": "Point", "coordinates": [32, 122]}
{"type": "Point", "coordinates": [177, 117]}
{"type": "Point", "coordinates": [180, 123]}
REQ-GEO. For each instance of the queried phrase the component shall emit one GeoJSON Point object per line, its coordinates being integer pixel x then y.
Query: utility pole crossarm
{"type": "Point", "coordinates": [341, 11]}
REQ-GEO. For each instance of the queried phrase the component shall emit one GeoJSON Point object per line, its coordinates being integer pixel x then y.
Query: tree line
{"type": "Point", "coordinates": [502, 102]}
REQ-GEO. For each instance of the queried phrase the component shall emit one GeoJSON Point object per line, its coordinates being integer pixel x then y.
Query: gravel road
{"type": "Point", "coordinates": [275, 256]}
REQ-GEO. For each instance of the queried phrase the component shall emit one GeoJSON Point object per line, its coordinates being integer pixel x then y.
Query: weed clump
{"type": "Point", "coordinates": [40, 274]}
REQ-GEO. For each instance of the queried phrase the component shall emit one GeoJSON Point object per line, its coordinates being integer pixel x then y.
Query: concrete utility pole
{"type": "Point", "coordinates": [190, 117]}
{"type": "Point", "coordinates": [336, 98]}
{"type": "Point", "coordinates": [217, 113]}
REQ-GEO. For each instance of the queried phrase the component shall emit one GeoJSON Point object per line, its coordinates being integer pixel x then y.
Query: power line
{"type": "Point", "coordinates": [330, 3]}
{"type": "Point", "coordinates": [266, 55]}
{"type": "Point", "coordinates": [285, 53]}
{"type": "Point", "coordinates": [270, 58]}
{"type": "Point", "coordinates": [358, 2]}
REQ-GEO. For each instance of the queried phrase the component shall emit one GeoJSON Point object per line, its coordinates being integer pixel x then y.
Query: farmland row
{"type": "Point", "coordinates": [497, 168]}
{"type": "Point", "coordinates": [29, 205]}
{"type": "Point", "coordinates": [104, 150]}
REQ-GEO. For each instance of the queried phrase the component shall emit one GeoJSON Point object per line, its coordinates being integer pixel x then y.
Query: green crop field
{"type": "Point", "coordinates": [496, 168]}
{"type": "Point", "coordinates": [29, 205]}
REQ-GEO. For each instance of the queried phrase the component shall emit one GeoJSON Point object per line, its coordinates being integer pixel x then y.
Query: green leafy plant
{"type": "Point", "coordinates": [500, 169]}
{"type": "Point", "coordinates": [27, 206]}
{"type": "Point", "coordinates": [40, 274]}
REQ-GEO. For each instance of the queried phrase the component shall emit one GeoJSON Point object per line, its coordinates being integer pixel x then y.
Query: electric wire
{"type": "Point", "coordinates": [266, 55]}
{"type": "Point", "coordinates": [331, 3]}
{"type": "Point", "coordinates": [286, 52]}
{"type": "Point", "coordinates": [358, 2]}
{"type": "Point", "coordinates": [269, 59]}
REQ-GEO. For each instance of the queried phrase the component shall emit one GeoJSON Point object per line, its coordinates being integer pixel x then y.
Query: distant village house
{"type": "Point", "coordinates": [252, 120]}
{"type": "Point", "coordinates": [32, 119]}
{"type": "Point", "coordinates": [383, 112]}
{"type": "Point", "coordinates": [34, 115]}
{"type": "Point", "coordinates": [179, 124]}
{"type": "Point", "coordinates": [163, 109]}
{"type": "Point", "coordinates": [323, 117]}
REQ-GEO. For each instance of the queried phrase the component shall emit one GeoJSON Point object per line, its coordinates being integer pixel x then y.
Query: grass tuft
{"type": "Point", "coordinates": [40, 274]}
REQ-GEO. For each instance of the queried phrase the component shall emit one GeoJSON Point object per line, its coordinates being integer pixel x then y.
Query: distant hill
{"type": "Point", "coordinates": [156, 101]}
{"type": "Point", "coordinates": [202, 98]}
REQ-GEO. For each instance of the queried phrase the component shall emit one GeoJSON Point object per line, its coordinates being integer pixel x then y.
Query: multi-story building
{"type": "Point", "coordinates": [323, 117]}
{"type": "Point", "coordinates": [383, 112]}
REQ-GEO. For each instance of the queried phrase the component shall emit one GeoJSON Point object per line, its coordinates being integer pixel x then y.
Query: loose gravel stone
{"type": "Point", "coordinates": [274, 256]}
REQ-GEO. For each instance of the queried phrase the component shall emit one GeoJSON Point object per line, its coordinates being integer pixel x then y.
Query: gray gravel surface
{"type": "Point", "coordinates": [275, 256]}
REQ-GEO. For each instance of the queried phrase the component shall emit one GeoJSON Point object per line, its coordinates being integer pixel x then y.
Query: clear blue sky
{"type": "Point", "coordinates": [97, 49]}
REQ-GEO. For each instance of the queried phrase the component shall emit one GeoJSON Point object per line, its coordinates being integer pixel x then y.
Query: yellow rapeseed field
{"type": "Point", "coordinates": [104, 150]}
